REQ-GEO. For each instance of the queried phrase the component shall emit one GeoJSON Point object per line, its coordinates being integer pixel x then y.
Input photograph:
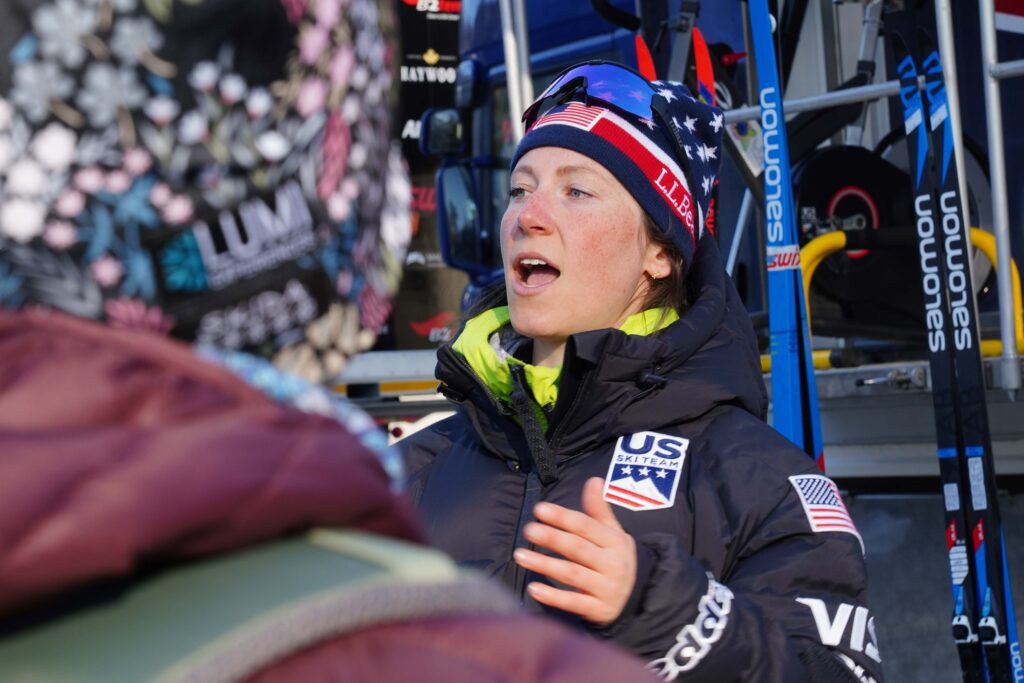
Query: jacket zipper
{"type": "Point", "coordinates": [554, 441]}
{"type": "Point", "coordinates": [531, 496]}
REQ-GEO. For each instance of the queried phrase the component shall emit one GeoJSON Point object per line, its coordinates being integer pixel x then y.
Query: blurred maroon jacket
{"type": "Point", "coordinates": [120, 450]}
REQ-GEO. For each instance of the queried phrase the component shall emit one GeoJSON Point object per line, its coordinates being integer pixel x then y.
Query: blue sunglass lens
{"type": "Point", "coordinates": [606, 83]}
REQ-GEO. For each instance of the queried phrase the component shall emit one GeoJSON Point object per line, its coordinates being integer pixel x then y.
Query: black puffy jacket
{"type": "Point", "coordinates": [733, 582]}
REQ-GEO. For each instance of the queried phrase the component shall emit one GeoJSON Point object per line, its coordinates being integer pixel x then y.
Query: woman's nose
{"type": "Point", "coordinates": [534, 214]}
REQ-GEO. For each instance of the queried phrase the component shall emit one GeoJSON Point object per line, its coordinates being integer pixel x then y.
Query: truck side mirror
{"type": "Point", "coordinates": [464, 245]}
{"type": "Point", "coordinates": [441, 132]}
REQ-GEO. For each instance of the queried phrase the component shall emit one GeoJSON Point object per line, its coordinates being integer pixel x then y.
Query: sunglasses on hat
{"type": "Point", "coordinates": [610, 85]}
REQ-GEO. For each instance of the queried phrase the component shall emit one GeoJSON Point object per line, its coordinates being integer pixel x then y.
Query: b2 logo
{"type": "Point", "coordinates": [437, 6]}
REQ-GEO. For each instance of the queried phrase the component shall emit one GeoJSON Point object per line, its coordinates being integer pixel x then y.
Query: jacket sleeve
{"type": "Point", "coordinates": [789, 606]}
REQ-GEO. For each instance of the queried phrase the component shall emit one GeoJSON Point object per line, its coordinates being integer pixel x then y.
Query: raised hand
{"type": "Point", "coordinates": [598, 558]}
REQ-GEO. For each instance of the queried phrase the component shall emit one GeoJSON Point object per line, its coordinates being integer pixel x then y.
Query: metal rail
{"type": "Point", "coordinates": [1007, 69]}
{"type": "Point", "coordinates": [947, 51]}
{"type": "Point", "coordinates": [1009, 371]}
{"type": "Point", "coordinates": [864, 93]}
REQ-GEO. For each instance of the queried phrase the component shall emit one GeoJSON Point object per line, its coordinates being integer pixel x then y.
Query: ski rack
{"type": "Point", "coordinates": [1009, 375]}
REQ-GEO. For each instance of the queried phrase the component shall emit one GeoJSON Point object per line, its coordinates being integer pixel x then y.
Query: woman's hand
{"type": "Point", "coordinates": [599, 557]}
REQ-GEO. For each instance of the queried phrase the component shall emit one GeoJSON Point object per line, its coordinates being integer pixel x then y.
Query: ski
{"type": "Point", "coordinates": [794, 393]}
{"type": "Point", "coordinates": [996, 623]}
{"type": "Point", "coordinates": [981, 629]}
{"type": "Point", "coordinates": [961, 570]}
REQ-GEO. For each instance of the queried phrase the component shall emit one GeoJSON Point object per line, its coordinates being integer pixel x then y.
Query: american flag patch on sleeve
{"type": "Point", "coordinates": [823, 505]}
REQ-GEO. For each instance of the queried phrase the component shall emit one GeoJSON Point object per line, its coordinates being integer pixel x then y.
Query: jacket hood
{"type": "Point", "coordinates": [615, 383]}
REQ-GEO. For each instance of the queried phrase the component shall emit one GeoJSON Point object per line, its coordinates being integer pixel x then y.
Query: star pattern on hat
{"type": "Point", "coordinates": [699, 128]}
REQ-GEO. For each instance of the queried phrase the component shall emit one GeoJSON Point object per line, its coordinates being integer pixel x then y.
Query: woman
{"type": "Point", "coordinates": [609, 458]}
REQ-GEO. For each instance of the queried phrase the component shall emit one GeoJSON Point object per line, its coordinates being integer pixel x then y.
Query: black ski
{"type": "Point", "coordinates": [982, 602]}
{"type": "Point", "coordinates": [996, 622]}
{"type": "Point", "coordinates": [961, 570]}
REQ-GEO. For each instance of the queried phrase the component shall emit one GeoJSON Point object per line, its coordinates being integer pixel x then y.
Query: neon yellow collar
{"type": "Point", "coordinates": [650, 321]}
{"type": "Point", "coordinates": [491, 363]}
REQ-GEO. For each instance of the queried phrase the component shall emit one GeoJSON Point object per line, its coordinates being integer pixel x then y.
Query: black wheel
{"type": "Point", "coordinates": [860, 293]}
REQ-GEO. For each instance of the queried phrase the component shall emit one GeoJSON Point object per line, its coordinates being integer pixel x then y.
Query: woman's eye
{"type": "Point", "coordinates": [577, 193]}
{"type": "Point", "coordinates": [516, 192]}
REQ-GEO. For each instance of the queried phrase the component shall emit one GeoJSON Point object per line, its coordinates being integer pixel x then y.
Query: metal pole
{"type": "Point", "coordinates": [1010, 365]}
{"type": "Point", "coordinates": [947, 52]}
{"type": "Point", "coordinates": [748, 47]}
{"type": "Point", "coordinates": [522, 30]}
{"type": "Point", "coordinates": [1007, 69]}
{"type": "Point", "coordinates": [862, 93]}
{"type": "Point", "coordinates": [752, 96]}
{"type": "Point", "coordinates": [831, 52]}
{"type": "Point", "coordinates": [737, 234]}
{"type": "Point", "coordinates": [513, 78]}
{"type": "Point", "coordinates": [871, 27]}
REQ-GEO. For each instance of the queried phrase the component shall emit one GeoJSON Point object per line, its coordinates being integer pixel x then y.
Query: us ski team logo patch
{"type": "Point", "coordinates": [645, 471]}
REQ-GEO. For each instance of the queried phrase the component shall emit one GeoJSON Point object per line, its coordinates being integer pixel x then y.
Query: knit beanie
{"type": "Point", "coordinates": [672, 187]}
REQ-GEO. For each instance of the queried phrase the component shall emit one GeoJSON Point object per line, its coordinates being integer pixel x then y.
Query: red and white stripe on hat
{"type": "Point", "coordinates": [661, 170]}
{"type": "Point", "coordinates": [1010, 15]}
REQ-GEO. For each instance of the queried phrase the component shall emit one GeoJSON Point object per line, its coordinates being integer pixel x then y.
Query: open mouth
{"type": "Point", "coordinates": [534, 271]}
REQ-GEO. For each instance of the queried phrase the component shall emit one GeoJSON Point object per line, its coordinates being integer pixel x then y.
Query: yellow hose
{"type": "Point", "coordinates": [822, 359]}
{"type": "Point", "coordinates": [986, 244]}
{"type": "Point", "coordinates": [811, 256]}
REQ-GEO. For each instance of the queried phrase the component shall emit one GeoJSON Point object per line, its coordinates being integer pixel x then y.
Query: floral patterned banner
{"type": "Point", "coordinates": [223, 171]}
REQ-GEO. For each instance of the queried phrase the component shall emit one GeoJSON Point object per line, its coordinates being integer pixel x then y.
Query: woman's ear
{"type": "Point", "coordinates": [657, 262]}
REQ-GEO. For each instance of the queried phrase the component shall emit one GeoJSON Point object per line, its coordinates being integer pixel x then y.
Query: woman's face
{"type": "Point", "coordinates": [574, 247]}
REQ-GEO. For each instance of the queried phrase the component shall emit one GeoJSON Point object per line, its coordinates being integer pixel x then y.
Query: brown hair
{"type": "Point", "coordinates": [669, 291]}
